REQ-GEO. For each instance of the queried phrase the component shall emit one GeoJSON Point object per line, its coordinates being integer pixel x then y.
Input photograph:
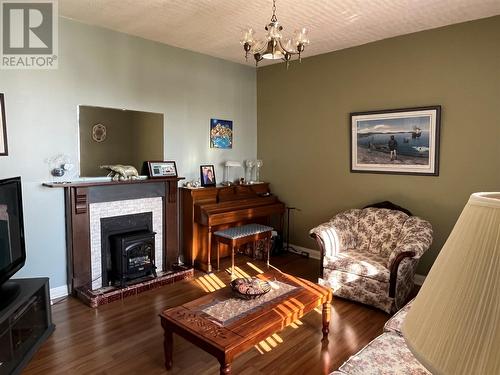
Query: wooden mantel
{"type": "Point", "coordinates": [78, 196]}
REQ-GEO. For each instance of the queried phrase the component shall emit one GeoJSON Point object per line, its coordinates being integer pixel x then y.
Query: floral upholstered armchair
{"type": "Point", "coordinates": [370, 255]}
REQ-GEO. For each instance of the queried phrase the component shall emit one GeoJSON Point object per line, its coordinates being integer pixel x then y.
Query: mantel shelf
{"type": "Point", "coordinates": [104, 183]}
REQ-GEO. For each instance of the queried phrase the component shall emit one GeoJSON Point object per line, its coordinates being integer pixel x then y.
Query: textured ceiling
{"type": "Point", "coordinates": [214, 27]}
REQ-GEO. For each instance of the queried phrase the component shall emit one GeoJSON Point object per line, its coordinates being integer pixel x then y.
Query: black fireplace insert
{"type": "Point", "coordinates": [132, 256]}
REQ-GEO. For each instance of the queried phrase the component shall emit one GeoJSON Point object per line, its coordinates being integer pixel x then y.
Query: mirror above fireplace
{"type": "Point", "coordinates": [118, 136]}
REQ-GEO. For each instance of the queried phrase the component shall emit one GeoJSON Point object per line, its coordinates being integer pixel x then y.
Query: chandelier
{"type": "Point", "coordinates": [273, 47]}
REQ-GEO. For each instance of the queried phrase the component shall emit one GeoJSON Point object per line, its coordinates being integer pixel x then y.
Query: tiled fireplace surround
{"type": "Point", "coordinates": [103, 210]}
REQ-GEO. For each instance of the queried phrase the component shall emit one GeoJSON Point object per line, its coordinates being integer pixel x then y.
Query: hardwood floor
{"type": "Point", "coordinates": [125, 337]}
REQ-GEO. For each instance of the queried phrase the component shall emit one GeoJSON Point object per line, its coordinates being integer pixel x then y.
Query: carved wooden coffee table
{"type": "Point", "coordinates": [219, 324]}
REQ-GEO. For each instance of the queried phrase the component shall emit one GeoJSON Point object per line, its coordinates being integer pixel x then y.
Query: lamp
{"type": "Point", "coordinates": [228, 165]}
{"type": "Point", "coordinates": [273, 46]}
{"type": "Point", "coordinates": [453, 326]}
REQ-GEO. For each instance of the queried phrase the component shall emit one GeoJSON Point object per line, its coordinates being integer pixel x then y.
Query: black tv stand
{"type": "Point", "coordinates": [25, 323]}
{"type": "Point", "coordinates": [8, 292]}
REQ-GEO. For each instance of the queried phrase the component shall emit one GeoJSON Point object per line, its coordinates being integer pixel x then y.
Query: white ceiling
{"type": "Point", "coordinates": [214, 27]}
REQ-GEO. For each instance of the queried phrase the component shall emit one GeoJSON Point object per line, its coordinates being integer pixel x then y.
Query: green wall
{"type": "Point", "coordinates": [303, 124]}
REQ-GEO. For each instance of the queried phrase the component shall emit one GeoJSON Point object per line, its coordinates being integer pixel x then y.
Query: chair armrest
{"type": "Point", "coordinates": [393, 268]}
{"type": "Point", "coordinates": [327, 240]}
{"type": "Point", "coordinates": [336, 235]}
{"type": "Point", "coordinates": [416, 237]}
{"type": "Point", "coordinates": [415, 240]}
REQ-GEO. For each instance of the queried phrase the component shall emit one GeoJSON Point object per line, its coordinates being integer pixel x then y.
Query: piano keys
{"type": "Point", "coordinates": [206, 210]}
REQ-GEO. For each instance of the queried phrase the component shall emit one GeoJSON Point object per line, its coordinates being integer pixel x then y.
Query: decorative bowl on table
{"type": "Point", "coordinates": [250, 288]}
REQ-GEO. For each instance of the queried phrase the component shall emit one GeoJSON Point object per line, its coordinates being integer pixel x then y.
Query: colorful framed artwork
{"type": "Point", "coordinates": [221, 134]}
{"type": "Point", "coordinates": [162, 169]}
{"type": "Point", "coordinates": [3, 128]}
{"type": "Point", "coordinates": [207, 175]}
{"type": "Point", "coordinates": [397, 141]}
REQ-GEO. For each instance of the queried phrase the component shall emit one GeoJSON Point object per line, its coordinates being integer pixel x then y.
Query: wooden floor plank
{"type": "Point", "coordinates": [125, 337]}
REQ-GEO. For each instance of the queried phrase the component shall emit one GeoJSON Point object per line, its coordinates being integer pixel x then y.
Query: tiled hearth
{"type": "Point", "coordinates": [102, 210]}
{"type": "Point", "coordinates": [102, 296]}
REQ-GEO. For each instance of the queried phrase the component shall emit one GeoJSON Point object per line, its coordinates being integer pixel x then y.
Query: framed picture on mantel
{"type": "Point", "coordinates": [397, 141]}
{"type": "Point", "coordinates": [3, 128]}
{"type": "Point", "coordinates": [162, 169]}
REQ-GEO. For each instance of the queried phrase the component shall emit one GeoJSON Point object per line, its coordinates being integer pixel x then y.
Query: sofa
{"type": "Point", "coordinates": [370, 255]}
{"type": "Point", "coordinates": [387, 354]}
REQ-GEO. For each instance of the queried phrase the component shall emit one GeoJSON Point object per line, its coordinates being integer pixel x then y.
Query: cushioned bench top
{"type": "Point", "coordinates": [243, 231]}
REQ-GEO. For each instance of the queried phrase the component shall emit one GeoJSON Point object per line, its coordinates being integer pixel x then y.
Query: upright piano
{"type": "Point", "coordinates": [206, 210]}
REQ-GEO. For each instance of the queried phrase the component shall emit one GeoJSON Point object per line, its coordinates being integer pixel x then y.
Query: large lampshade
{"type": "Point", "coordinates": [453, 326]}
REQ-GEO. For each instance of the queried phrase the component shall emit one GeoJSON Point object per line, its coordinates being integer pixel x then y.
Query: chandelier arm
{"type": "Point", "coordinates": [284, 49]}
{"type": "Point", "coordinates": [261, 50]}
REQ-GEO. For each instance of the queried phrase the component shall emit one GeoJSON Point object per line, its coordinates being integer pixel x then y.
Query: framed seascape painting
{"type": "Point", "coordinates": [399, 141]}
{"type": "Point", "coordinates": [221, 134]}
{"type": "Point", "coordinates": [3, 128]}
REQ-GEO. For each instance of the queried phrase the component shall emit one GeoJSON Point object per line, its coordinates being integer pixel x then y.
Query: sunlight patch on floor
{"type": "Point", "coordinates": [269, 343]}
{"type": "Point", "coordinates": [210, 283]}
{"type": "Point", "coordinates": [265, 346]}
{"type": "Point", "coordinates": [277, 338]}
{"type": "Point", "coordinates": [238, 272]}
{"type": "Point", "coordinates": [257, 269]}
{"type": "Point", "coordinates": [203, 286]}
{"type": "Point", "coordinates": [216, 279]}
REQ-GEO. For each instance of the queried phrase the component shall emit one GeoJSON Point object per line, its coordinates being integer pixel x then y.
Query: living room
{"type": "Point", "coordinates": [286, 155]}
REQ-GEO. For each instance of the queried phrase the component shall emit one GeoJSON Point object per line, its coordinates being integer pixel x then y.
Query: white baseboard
{"type": "Point", "coordinates": [315, 254]}
{"type": "Point", "coordinates": [58, 292]}
{"type": "Point", "coordinates": [419, 279]}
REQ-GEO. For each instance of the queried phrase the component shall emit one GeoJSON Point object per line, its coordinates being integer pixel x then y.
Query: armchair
{"type": "Point", "coordinates": [370, 255]}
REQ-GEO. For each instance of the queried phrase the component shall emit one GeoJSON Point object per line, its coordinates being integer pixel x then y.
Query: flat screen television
{"type": "Point", "coordinates": [12, 246]}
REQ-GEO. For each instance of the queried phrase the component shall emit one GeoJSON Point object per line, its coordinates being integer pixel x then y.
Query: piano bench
{"type": "Point", "coordinates": [242, 235]}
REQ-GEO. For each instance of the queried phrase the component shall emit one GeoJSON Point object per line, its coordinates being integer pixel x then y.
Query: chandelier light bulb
{"type": "Point", "coordinates": [301, 36]}
{"type": "Point", "coordinates": [248, 36]}
{"type": "Point", "coordinates": [290, 46]}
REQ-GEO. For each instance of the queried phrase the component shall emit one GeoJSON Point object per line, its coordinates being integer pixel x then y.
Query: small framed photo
{"type": "Point", "coordinates": [3, 128]}
{"type": "Point", "coordinates": [396, 141]}
{"type": "Point", "coordinates": [207, 175]}
{"type": "Point", "coordinates": [161, 169]}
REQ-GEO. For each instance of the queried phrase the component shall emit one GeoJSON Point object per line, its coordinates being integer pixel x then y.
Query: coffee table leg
{"type": "Point", "coordinates": [225, 368]}
{"type": "Point", "coordinates": [168, 344]}
{"type": "Point", "coordinates": [326, 318]}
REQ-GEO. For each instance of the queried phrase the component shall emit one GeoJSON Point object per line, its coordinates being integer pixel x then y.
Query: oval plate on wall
{"type": "Point", "coordinates": [99, 133]}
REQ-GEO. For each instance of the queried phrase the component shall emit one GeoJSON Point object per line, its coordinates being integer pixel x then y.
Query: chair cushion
{"type": "Point", "coordinates": [379, 230]}
{"type": "Point", "coordinates": [358, 288]}
{"type": "Point", "coordinates": [387, 354]}
{"type": "Point", "coordinates": [360, 263]}
{"type": "Point", "coordinates": [243, 231]}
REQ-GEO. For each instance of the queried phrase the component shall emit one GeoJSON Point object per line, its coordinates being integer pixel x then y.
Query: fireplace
{"type": "Point", "coordinates": [87, 202]}
{"type": "Point", "coordinates": [132, 257]}
{"type": "Point", "coordinates": [117, 235]}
